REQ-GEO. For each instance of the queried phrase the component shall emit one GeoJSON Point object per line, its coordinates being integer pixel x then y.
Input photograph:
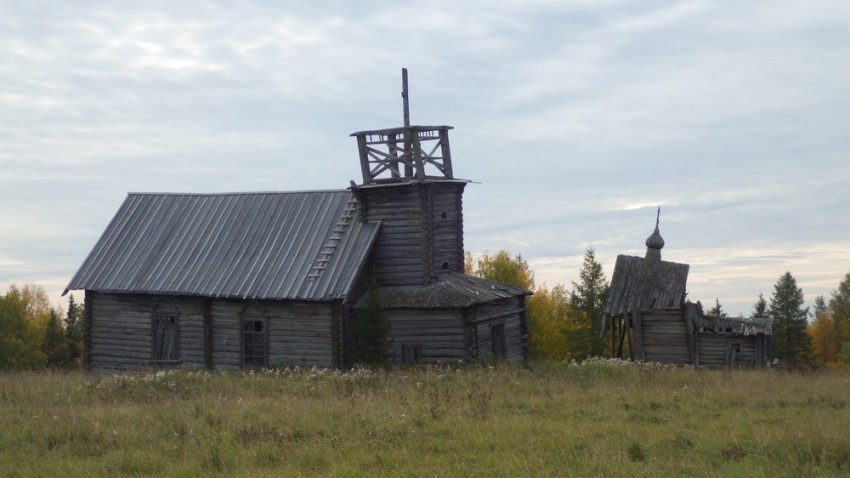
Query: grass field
{"type": "Point", "coordinates": [597, 418]}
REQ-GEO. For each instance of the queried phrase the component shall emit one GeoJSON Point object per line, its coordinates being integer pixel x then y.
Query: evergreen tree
{"type": "Point", "coordinates": [370, 330]}
{"type": "Point", "coordinates": [717, 310]}
{"type": "Point", "coordinates": [54, 345]}
{"type": "Point", "coordinates": [820, 305]}
{"type": "Point", "coordinates": [589, 296]}
{"type": "Point", "coordinates": [839, 308]}
{"type": "Point", "coordinates": [74, 331]}
{"type": "Point", "coordinates": [760, 308]}
{"type": "Point", "coordinates": [790, 343]}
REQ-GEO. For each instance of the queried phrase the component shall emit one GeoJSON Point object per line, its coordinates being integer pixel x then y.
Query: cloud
{"type": "Point", "coordinates": [578, 119]}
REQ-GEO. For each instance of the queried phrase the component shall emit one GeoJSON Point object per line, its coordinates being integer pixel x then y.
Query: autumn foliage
{"type": "Point", "coordinates": [559, 325]}
{"type": "Point", "coordinates": [33, 334]}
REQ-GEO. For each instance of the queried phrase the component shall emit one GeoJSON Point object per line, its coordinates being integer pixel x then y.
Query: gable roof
{"type": "Point", "coordinates": [282, 245]}
{"type": "Point", "coordinates": [449, 290]}
{"type": "Point", "coordinates": [647, 282]}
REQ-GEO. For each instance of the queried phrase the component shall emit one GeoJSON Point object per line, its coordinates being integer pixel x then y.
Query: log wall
{"type": "Point", "coordinates": [509, 313]}
{"type": "Point", "coordinates": [120, 331]}
{"type": "Point", "coordinates": [716, 350]}
{"type": "Point", "coordinates": [446, 216]}
{"type": "Point", "coordinates": [421, 231]}
{"type": "Point", "coordinates": [439, 334]}
{"type": "Point", "coordinates": [665, 336]}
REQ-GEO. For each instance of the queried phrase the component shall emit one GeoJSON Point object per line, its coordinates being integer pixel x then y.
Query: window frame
{"type": "Point", "coordinates": [254, 342]}
{"type": "Point", "coordinates": [165, 329]}
{"type": "Point", "coordinates": [411, 354]}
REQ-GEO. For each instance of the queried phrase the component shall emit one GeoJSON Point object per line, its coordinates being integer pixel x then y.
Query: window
{"type": "Point", "coordinates": [410, 353]}
{"type": "Point", "coordinates": [254, 344]}
{"type": "Point", "coordinates": [165, 341]}
{"type": "Point", "coordinates": [497, 338]}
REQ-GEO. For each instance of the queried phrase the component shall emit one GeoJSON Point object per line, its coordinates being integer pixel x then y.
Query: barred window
{"type": "Point", "coordinates": [254, 343]}
{"type": "Point", "coordinates": [165, 340]}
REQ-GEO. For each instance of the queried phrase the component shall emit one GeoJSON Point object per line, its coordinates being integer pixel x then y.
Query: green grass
{"type": "Point", "coordinates": [541, 419]}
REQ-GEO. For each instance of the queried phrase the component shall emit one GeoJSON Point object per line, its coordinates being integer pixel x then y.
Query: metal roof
{"type": "Point", "coordinates": [449, 290]}
{"type": "Point", "coordinates": [649, 284]}
{"type": "Point", "coordinates": [282, 245]}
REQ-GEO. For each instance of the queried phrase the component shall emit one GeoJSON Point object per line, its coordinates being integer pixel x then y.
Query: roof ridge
{"type": "Point", "coordinates": [237, 193]}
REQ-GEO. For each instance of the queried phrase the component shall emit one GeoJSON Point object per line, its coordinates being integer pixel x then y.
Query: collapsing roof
{"type": "Point", "coordinates": [701, 322]}
{"type": "Point", "coordinates": [298, 245]}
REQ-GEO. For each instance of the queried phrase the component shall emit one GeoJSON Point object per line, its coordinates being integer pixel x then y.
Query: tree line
{"type": "Point", "coordinates": [35, 335]}
{"type": "Point", "coordinates": [562, 324]}
{"type": "Point", "coordinates": [565, 324]}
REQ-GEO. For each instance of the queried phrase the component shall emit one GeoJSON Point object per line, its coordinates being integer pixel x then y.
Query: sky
{"type": "Point", "coordinates": [574, 119]}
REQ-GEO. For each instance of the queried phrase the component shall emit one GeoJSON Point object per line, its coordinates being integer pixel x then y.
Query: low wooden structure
{"type": "Point", "coordinates": [686, 336]}
{"type": "Point", "coordinates": [456, 317]}
{"type": "Point", "coordinates": [648, 313]}
{"type": "Point", "coordinates": [223, 281]}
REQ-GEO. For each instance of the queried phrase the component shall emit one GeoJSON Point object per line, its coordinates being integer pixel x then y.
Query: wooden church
{"type": "Point", "coordinates": [224, 281]}
{"type": "Point", "coordinates": [650, 320]}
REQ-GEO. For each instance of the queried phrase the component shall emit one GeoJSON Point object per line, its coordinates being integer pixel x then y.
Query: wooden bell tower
{"type": "Point", "coordinates": [409, 186]}
{"type": "Point", "coordinates": [406, 153]}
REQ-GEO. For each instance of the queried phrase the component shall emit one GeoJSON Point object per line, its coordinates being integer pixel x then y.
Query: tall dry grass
{"type": "Point", "coordinates": [595, 418]}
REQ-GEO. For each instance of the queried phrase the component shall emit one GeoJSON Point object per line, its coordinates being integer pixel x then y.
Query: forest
{"type": "Point", "coordinates": [563, 322]}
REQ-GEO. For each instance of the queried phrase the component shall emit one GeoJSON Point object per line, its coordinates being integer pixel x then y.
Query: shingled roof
{"type": "Point", "coordinates": [279, 245]}
{"type": "Point", "coordinates": [646, 282]}
{"type": "Point", "coordinates": [449, 290]}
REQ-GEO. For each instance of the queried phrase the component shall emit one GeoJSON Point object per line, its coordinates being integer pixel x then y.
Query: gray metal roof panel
{"type": "Point", "coordinates": [245, 245]}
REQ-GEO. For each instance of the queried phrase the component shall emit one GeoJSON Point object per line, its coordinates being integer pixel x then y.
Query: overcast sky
{"type": "Point", "coordinates": [575, 118]}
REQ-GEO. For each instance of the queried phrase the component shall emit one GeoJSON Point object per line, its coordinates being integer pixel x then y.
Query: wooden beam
{"type": "Point", "coordinates": [447, 154]}
{"type": "Point", "coordinates": [208, 334]}
{"type": "Point", "coordinates": [88, 297]}
{"type": "Point", "coordinates": [693, 336]}
{"type": "Point", "coordinates": [623, 326]}
{"type": "Point", "coordinates": [637, 322]}
{"type": "Point", "coordinates": [364, 159]}
{"type": "Point", "coordinates": [405, 98]}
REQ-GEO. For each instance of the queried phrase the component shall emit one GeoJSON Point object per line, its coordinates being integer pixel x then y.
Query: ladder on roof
{"type": "Point", "coordinates": [336, 235]}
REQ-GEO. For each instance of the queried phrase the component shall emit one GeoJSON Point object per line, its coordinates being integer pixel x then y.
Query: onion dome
{"type": "Point", "coordinates": [655, 241]}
